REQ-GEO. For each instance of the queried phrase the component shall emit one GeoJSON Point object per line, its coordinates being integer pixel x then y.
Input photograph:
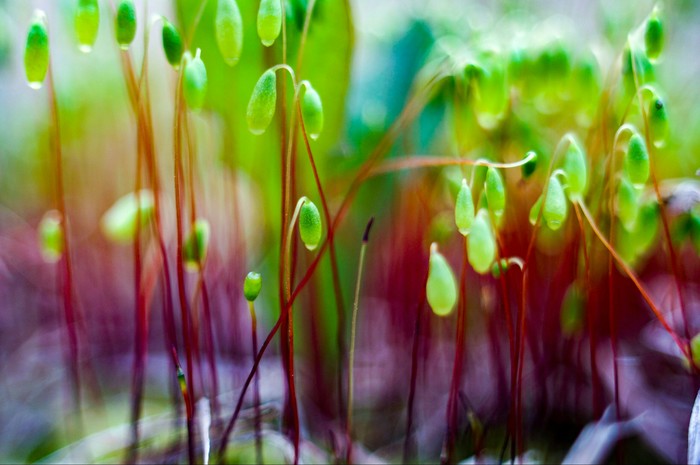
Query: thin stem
{"type": "Point", "coordinates": [353, 329]}
{"type": "Point", "coordinates": [256, 387]}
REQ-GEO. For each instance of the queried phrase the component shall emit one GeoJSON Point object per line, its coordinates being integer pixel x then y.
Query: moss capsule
{"type": "Point", "coordinates": [441, 288]}
{"type": "Point", "coordinates": [498, 267]}
{"type": "Point", "coordinates": [464, 209]}
{"type": "Point", "coordinates": [172, 44]}
{"type": "Point", "coordinates": [627, 204]}
{"type": "Point", "coordinates": [529, 167]}
{"type": "Point", "coordinates": [535, 211]}
{"type": "Point", "coordinates": [555, 209]}
{"type": "Point", "coordinates": [119, 223]}
{"type": "Point", "coordinates": [51, 236]}
{"type": "Point", "coordinates": [229, 31]}
{"type": "Point", "coordinates": [574, 166]}
{"type": "Point", "coordinates": [481, 245]}
{"type": "Point", "coordinates": [658, 122]}
{"type": "Point", "coordinates": [196, 245]}
{"type": "Point", "coordinates": [126, 23]}
{"type": "Point", "coordinates": [654, 35]}
{"type": "Point", "coordinates": [195, 82]}
{"type": "Point", "coordinates": [572, 311]}
{"type": "Point", "coordinates": [36, 53]}
{"type": "Point", "coordinates": [312, 112]}
{"type": "Point", "coordinates": [495, 192]}
{"type": "Point", "coordinates": [252, 286]}
{"type": "Point", "coordinates": [310, 226]}
{"type": "Point", "coordinates": [269, 21]}
{"type": "Point", "coordinates": [261, 107]}
{"type": "Point", "coordinates": [637, 160]}
{"type": "Point", "coordinates": [87, 23]}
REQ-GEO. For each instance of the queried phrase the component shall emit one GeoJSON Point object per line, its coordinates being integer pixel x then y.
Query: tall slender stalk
{"type": "Point", "coordinates": [256, 387]}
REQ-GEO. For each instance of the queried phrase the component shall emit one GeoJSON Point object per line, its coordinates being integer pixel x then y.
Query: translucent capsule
{"type": "Point", "coordinates": [637, 160]}
{"type": "Point", "coordinates": [658, 122]}
{"type": "Point", "coordinates": [312, 112]}
{"type": "Point", "coordinates": [261, 107]}
{"type": "Point", "coordinates": [654, 35]}
{"type": "Point", "coordinates": [441, 287]}
{"type": "Point", "coordinates": [87, 23]}
{"type": "Point", "coordinates": [196, 245]}
{"type": "Point", "coordinates": [555, 208]}
{"type": "Point", "coordinates": [535, 211]}
{"type": "Point", "coordinates": [229, 31]}
{"type": "Point", "coordinates": [195, 82]}
{"type": "Point", "coordinates": [627, 204]}
{"type": "Point", "coordinates": [495, 192]}
{"type": "Point", "coordinates": [252, 286]}
{"type": "Point", "coordinates": [464, 209]}
{"type": "Point", "coordinates": [119, 223]}
{"type": "Point", "coordinates": [481, 245]}
{"type": "Point", "coordinates": [574, 165]}
{"type": "Point", "coordinates": [36, 53]}
{"type": "Point", "coordinates": [51, 236]}
{"type": "Point", "coordinates": [310, 226]}
{"type": "Point", "coordinates": [269, 21]}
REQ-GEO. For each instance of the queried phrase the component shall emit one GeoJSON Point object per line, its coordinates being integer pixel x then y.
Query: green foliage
{"type": "Point", "coordinates": [125, 23]}
{"type": "Point", "coordinates": [229, 31]}
{"type": "Point", "coordinates": [87, 23]}
{"type": "Point", "coordinates": [310, 226]}
{"type": "Point", "coordinates": [441, 287]}
{"type": "Point", "coordinates": [36, 53]}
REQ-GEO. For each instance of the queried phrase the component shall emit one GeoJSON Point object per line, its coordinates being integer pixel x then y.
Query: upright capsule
{"type": "Point", "coordinates": [481, 245]}
{"type": "Point", "coordinates": [312, 112]}
{"type": "Point", "coordinates": [51, 236]}
{"type": "Point", "coordinates": [464, 209]}
{"type": "Point", "coordinates": [261, 107]}
{"type": "Point", "coordinates": [269, 21]}
{"type": "Point", "coordinates": [36, 53]}
{"type": "Point", "coordinates": [252, 286]}
{"type": "Point", "coordinates": [310, 226]}
{"type": "Point", "coordinates": [574, 166]}
{"type": "Point", "coordinates": [495, 192]}
{"type": "Point", "coordinates": [229, 31]}
{"type": "Point", "coordinates": [196, 245]}
{"type": "Point", "coordinates": [195, 82]}
{"type": "Point", "coordinates": [554, 210]}
{"type": "Point", "coordinates": [172, 44]}
{"type": "Point", "coordinates": [87, 23]}
{"type": "Point", "coordinates": [126, 23]}
{"type": "Point", "coordinates": [441, 287]}
{"type": "Point", "coordinates": [637, 160]}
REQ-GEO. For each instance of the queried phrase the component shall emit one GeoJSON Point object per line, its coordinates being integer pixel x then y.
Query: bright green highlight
{"type": "Point", "coordinates": [119, 223]}
{"type": "Point", "coordinates": [229, 31]}
{"type": "Point", "coordinates": [464, 209]}
{"type": "Point", "coordinates": [441, 288]}
{"type": "Point", "coordinates": [310, 226]}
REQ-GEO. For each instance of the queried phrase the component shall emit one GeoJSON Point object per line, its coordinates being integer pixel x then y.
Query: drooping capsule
{"type": "Point", "coordinates": [310, 226]}
{"type": "Point", "coordinates": [574, 165]}
{"type": "Point", "coordinates": [627, 204]}
{"type": "Point", "coordinates": [252, 286]}
{"type": "Point", "coordinates": [654, 35]}
{"type": "Point", "coordinates": [495, 192]}
{"type": "Point", "coordinates": [441, 287]}
{"type": "Point", "coordinates": [196, 245]}
{"type": "Point", "coordinates": [535, 210]}
{"type": "Point", "coordinates": [51, 236]}
{"type": "Point", "coordinates": [637, 160]}
{"type": "Point", "coordinates": [261, 107]}
{"type": "Point", "coordinates": [195, 82]}
{"type": "Point", "coordinates": [481, 245]}
{"type": "Point", "coordinates": [87, 24]}
{"type": "Point", "coordinates": [36, 53]}
{"type": "Point", "coordinates": [464, 209]}
{"type": "Point", "coordinates": [126, 23]}
{"type": "Point", "coordinates": [658, 122]}
{"type": "Point", "coordinates": [172, 44]}
{"type": "Point", "coordinates": [554, 210]}
{"type": "Point", "coordinates": [269, 21]}
{"type": "Point", "coordinates": [312, 112]}
{"type": "Point", "coordinates": [229, 31]}
{"type": "Point", "coordinates": [119, 223]}
{"type": "Point", "coordinates": [530, 166]}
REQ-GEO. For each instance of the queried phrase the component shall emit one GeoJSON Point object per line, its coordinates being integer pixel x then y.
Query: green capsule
{"type": "Point", "coordinates": [310, 226]}
{"type": "Point", "coordinates": [172, 44]}
{"type": "Point", "coordinates": [695, 231]}
{"type": "Point", "coordinates": [574, 166]}
{"type": "Point", "coordinates": [195, 82]}
{"type": "Point", "coordinates": [658, 122]}
{"type": "Point", "coordinates": [126, 23]}
{"type": "Point", "coordinates": [87, 23]}
{"type": "Point", "coordinates": [491, 85]}
{"type": "Point", "coordinates": [252, 286]}
{"type": "Point", "coordinates": [312, 112]}
{"type": "Point", "coordinates": [647, 226]}
{"type": "Point", "coordinates": [229, 31]}
{"type": "Point", "coordinates": [498, 267]}
{"type": "Point", "coordinates": [535, 211]}
{"type": "Point", "coordinates": [654, 36]}
{"type": "Point", "coordinates": [529, 167]}
{"type": "Point", "coordinates": [464, 209]}
{"type": "Point", "coordinates": [36, 54]}
{"type": "Point", "coordinates": [481, 245]}
{"type": "Point", "coordinates": [441, 288]}
{"type": "Point", "coordinates": [51, 237]}
{"type": "Point", "coordinates": [637, 161]}
{"type": "Point", "coordinates": [572, 311]}
{"type": "Point", "coordinates": [555, 209]}
{"type": "Point", "coordinates": [627, 204]}
{"type": "Point", "coordinates": [119, 223]}
{"type": "Point", "coordinates": [196, 245]}
{"type": "Point", "coordinates": [269, 21]}
{"type": "Point", "coordinates": [695, 349]}
{"type": "Point", "coordinates": [495, 192]}
{"type": "Point", "coordinates": [261, 107]}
